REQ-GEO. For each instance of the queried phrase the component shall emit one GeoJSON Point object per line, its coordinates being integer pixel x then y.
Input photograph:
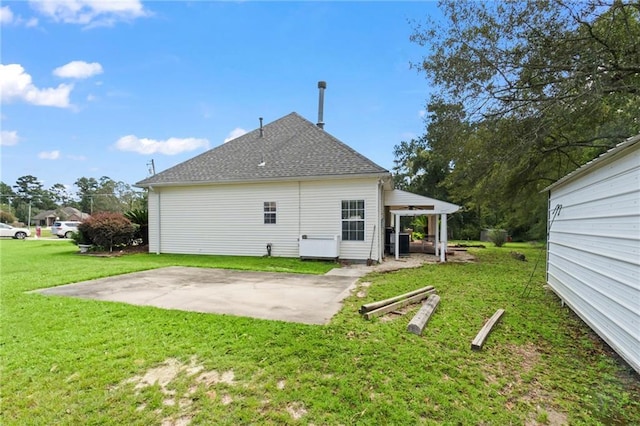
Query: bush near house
{"type": "Point", "coordinates": [141, 218]}
{"type": "Point", "coordinates": [6, 217]}
{"type": "Point", "coordinates": [108, 230]}
{"type": "Point", "coordinates": [498, 237]}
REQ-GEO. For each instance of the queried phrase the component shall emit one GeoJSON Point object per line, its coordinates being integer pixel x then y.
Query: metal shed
{"type": "Point", "coordinates": [593, 261]}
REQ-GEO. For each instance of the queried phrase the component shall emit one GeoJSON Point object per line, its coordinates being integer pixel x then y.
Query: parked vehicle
{"type": "Point", "coordinates": [13, 232]}
{"type": "Point", "coordinates": [64, 229]}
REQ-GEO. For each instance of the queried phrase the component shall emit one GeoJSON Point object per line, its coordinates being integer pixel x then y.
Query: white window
{"type": "Point", "coordinates": [269, 212]}
{"type": "Point", "coordinates": [353, 220]}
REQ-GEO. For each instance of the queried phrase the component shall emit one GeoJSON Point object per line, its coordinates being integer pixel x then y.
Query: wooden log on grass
{"type": "Point", "coordinates": [484, 332]}
{"type": "Point", "coordinates": [402, 303]}
{"type": "Point", "coordinates": [419, 321]}
{"type": "Point", "coordinates": [376, 305]}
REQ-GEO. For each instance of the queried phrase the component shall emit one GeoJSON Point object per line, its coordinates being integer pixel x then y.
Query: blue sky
{"type": "Point", "coordinates": [93, 89]}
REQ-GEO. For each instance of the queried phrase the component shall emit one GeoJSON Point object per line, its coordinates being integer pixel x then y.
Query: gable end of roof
{"type": "Point", "coordinates": [288, 148]}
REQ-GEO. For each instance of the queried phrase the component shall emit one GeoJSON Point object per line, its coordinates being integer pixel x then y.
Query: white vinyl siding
{"type": "Point", "coordinates": [230, 219]}
{"type": "Point", "coordinates": [594, 249]}
{"type": "Point", "coordinates": [321, 212]}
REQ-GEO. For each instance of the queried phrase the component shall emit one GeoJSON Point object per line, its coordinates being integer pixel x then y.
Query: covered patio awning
{"type": "Point", "coordinates": [403, 203]}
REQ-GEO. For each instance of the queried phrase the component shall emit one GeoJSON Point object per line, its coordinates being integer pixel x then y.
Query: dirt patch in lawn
{"type": "Point", "coordinates": [416, 260]}
{"type": "Point", "coordinates": [166, 375]}
{"type": "Point", "coordinates": [181, 385]}
{"type": "Point", "coordinates": [521, 386]}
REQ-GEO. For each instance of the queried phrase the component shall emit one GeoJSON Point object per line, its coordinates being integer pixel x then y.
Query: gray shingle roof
{"type": "Point", "coordinates": [292, 147]}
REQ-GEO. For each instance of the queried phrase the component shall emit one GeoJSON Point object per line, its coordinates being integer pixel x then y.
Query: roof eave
{"type": "Point", "coordinates": [602, 159]}
{"type": "Point", "coordinates": [381, 175]}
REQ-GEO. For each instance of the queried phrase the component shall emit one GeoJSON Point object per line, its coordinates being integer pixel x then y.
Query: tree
{"type": "Point", "coordinates": [525, 93]}
{"type": "Point", "coordinates": [86, 189]}
{"type": "Point", "coordinates": [28, 188]}
{"type": "Point", "coordinates": [60, 195]}
{"type": "Point", "coordinates": [6, 197]}
{"type": "Point", "coordinates": [418, 168]}
{"type": "Point", "coordinates": [107, 195]}
{"type": "Point", "coordinates": [6, 192]}
{"type": "Point", "coordinates": [511, 58]}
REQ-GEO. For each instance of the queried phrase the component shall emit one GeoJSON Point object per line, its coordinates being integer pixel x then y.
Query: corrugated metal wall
{"type": "Point", "coordinates": [229, 219]}
{"type": "Point", "coordinates": [594, 249]}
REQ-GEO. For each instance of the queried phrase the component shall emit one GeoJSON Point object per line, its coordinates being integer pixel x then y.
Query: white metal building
{"type": "Point", "coordinates": [593, 259]}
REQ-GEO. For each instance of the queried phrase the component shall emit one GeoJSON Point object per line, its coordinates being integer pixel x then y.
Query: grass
{"type": "Point", "coordinates": [72, 361]}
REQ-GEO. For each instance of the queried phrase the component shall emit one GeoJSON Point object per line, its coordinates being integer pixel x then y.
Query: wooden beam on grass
{"type": "Point", "coordinates": [375, 305]}
{"type": "Point", "coordinates": [400, 304]}
{"type": "Point", "coordinates": [484, 332]}
{"type": "Point", "coordinates": [419, 321]}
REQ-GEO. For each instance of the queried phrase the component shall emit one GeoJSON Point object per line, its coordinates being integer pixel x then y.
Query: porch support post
{"type": "Point", "coordinates": [397, 236]}
{"type": "Point", "coordinates": [443, 233]}
{"type": "Point", "coordinates": [436, 236]}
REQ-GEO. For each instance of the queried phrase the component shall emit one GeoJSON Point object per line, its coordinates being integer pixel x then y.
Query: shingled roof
{"type": "Point", "coordinates": [290, 147]}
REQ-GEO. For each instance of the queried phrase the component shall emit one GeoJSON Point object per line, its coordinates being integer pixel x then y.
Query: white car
{"type": "Point", "coordinates": [13, 232]}
{"type": "Point", "coordinates": [64, 228]}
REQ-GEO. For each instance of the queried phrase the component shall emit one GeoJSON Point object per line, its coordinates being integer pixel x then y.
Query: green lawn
{"type": "Point", "coordinates": [72, 361]}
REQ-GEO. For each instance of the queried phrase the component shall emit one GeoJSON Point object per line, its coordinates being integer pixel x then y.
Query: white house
{"type": "Point", "coordinates": [594, 246]}
{"type": "Point", "coordinates": [287, 189]}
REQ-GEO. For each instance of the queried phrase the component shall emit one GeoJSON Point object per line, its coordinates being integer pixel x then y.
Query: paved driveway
{"type": "Point", "coordinates": [308, 299]}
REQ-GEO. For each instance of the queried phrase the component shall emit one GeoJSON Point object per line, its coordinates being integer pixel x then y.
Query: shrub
{"type": "Point", "coordinates": [141, 218]}
{"type": "Point", "coordinates": [498, 237]}
{"type": "Point", "coordinates": [6, 217]}
{"type": "Point", "coordinates": [108, 230]}
{"type": "Point", "coordinates": [80, 237]}
{"type": "Point", "coordinates": [417, 236]}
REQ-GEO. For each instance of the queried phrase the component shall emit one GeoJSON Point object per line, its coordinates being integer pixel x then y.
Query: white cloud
{"type": "Point", "coordinates": [6, 15]}
{"type": "Point", "coordinates": [78, 69]}
{"type": "Point", "coordinates": [422, 113]}
{"type": "Point", "coordinates": [52, 155]}
{"type": "Point", "coordinates": [237, 132]}
{"type": "Point", "coordinates": [91, 97]}
{"type": "Point", "coordinates": [90, 13]}
{"type": "Point", "coordinates": [16, 84]}
{"type": "Point", "coordinates": [9, 137]}
{"type": "Point", "coordinates": [171, 146]}
{"type": "Point", "coordinates": [7, 18]}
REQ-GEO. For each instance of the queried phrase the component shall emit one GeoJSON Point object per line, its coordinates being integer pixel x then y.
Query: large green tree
{"type": "Point", "coordinates": [107, 195]}
{"type": "Point", "coordinates": [525, 92]}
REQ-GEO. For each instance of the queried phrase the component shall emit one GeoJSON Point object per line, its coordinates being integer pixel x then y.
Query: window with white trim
{"type": "Point", "coordinates": [353, 220]}
{"type": "Point", "coordinates": [269, 212]}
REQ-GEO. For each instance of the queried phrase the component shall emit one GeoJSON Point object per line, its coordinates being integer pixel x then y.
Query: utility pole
{"type": "Point", "coordinates": [152, 167]}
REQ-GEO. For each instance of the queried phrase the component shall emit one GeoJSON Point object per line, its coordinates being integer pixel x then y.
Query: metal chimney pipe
{"type": "Point", "coordinates": [321, 86]}
{"type": "Point", "coordinates": [261, 131]}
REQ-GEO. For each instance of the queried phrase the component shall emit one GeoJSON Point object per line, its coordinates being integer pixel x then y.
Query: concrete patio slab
{"type": "Point", "coordinates": [308, 299]}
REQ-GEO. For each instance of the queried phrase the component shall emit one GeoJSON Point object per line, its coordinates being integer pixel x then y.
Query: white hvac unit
{"type": "Point", "coordinates": [319, 246]}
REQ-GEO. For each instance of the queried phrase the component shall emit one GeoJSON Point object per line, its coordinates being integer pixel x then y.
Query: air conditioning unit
{"type": "Point", "coordinates": [319, 246]}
